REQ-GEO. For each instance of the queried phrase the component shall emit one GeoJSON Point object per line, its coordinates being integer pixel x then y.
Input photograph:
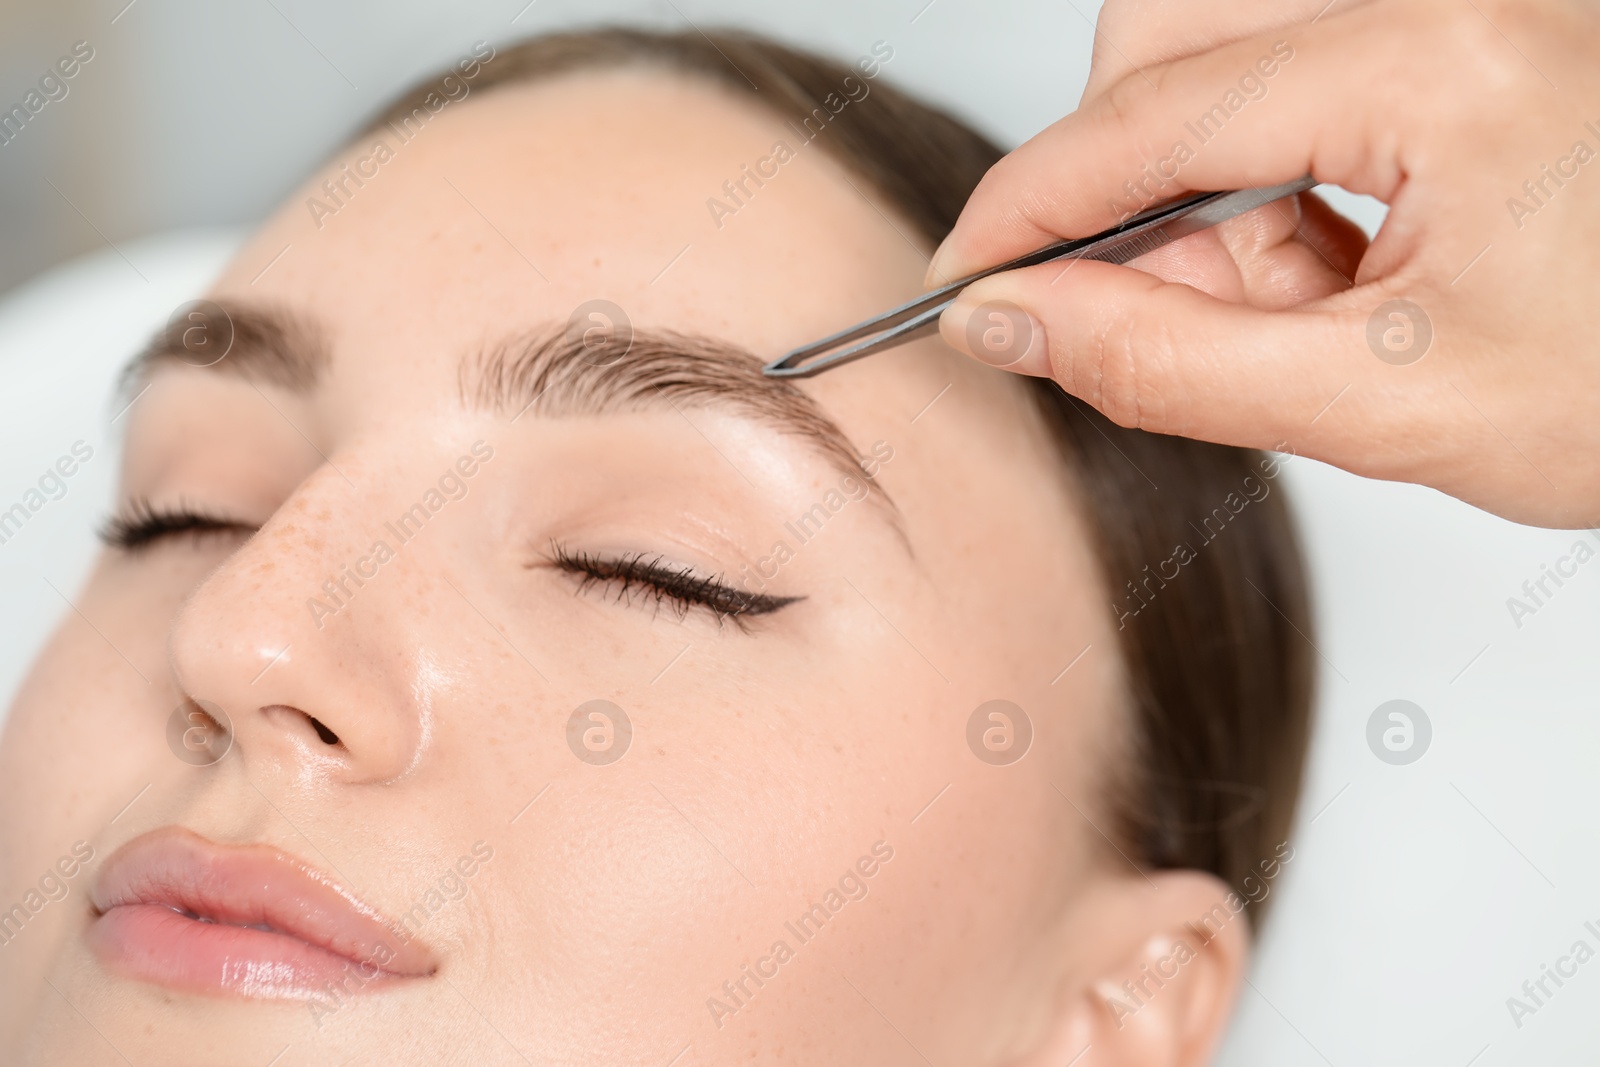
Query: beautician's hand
{"type": "Point", "coordinates": [1466, 356]}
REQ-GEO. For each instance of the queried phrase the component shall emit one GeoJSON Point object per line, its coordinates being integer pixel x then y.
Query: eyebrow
{"type": "Point", "coordinates": [564, 372]}
{"type": "Point", "coordinates": [552, 371]}
{"type": "Point", "coordinates": [260, 344]}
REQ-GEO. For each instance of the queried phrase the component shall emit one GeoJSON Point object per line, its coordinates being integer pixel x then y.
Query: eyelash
{"type": "Point", "coordinates": [140, 524]}
{"type": "Point", "coordinates": [677, 587]}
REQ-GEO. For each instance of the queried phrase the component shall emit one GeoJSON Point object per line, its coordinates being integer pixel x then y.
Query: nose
{"type": "Point", "coordinates": [296, 638]}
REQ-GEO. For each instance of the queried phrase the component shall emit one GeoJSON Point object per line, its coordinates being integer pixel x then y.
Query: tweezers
{"type": "Point", "coordinates": [1139, 234]}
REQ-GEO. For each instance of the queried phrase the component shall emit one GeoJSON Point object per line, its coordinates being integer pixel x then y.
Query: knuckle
{"type": "Point", "coordinates": [1122, 102]}
{"type": "Point", "coordinates": [1131, 109]}
{"type": "Point", "coordinates": [1132, 360]}
{"type": "Point", "coordinates": [1474, 37]}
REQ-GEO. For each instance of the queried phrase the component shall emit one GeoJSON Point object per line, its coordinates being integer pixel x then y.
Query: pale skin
{"type": "Point", "coordinates": [764, 762]}
{"type": "Point", "coordinates": [1445, 111]}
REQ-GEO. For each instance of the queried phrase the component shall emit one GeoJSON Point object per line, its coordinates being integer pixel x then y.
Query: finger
{"type": "Point", "coordinates": [1278, 256]}
{"type": "Point", "coordinates": [1133, 34]}
{"type": "Point", "coordinates": [1288, 253]}
{"type": "Point", "coordinates": [1165, 357]}
{"type": "Point", "coordinates": [1261, 106]}
{"type": "Point", "coordinates": [1340, 242]}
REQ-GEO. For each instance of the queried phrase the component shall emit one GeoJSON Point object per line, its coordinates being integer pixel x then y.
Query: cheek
{"type": "Point", "coordinates": [87, 731]}
{"type": "Point", "coordinates": [747, 791]}
{"type": "Point", "coordinates": [83, 731]}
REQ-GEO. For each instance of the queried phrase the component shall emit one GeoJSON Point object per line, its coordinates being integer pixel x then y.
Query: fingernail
{"type": "Point", "coordinates": [999, 333]}
{"type": "Point", "coordinates": [936, 274]}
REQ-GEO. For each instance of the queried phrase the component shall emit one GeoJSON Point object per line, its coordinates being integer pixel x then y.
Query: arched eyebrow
{"type": "Point", "coordinates": [556, 372]}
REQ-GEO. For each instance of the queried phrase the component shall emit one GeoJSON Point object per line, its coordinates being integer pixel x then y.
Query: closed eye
{"type": "Point", "coordinates": [139, 524]}
{"type": "Point", "coordinates": [647, 577]}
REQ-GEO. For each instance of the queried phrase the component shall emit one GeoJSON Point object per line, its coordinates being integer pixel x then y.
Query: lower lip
{"type": "Point", "coordinates": [156, 944]}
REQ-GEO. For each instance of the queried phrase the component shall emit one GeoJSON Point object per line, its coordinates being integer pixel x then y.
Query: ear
{"type": "Point", "coordinates": [1158, 962]}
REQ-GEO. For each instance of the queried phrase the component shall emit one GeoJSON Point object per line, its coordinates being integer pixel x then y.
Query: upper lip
{"type": "Point", "coordinates": [254, 885]}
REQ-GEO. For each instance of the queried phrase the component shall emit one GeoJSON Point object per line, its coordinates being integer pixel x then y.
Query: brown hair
{"type": "Point", "coordinates": [1217, 653]}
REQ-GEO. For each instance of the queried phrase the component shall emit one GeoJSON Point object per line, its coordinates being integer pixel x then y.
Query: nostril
{"type": "Point", "coordinates": [327, 735]}
{"type": "Point", "coordinates": [293, 722]}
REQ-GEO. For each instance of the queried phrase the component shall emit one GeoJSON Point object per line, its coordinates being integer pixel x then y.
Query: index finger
{"type": "Point", "coordinates": [1255, 112]}
{"type": "Point", "coordinates": [1130, 35]}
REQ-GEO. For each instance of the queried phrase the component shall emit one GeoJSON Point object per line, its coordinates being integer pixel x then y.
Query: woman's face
{"type": "Point", "coordinates": [441, 542]}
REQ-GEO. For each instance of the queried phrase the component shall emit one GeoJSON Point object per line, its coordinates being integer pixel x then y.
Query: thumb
{"type": "Point", "coordinates": [1162, 356]}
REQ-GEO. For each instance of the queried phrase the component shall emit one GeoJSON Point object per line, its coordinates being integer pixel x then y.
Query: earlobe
{"type": "Point", "coordinates": [1156, 984]}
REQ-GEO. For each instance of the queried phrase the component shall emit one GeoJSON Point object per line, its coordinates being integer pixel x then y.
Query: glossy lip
{"type": "Point", "coordinates": [240, 920]}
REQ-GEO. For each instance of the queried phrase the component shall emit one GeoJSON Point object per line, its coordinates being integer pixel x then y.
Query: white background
{"type": "Point", "coordinates": [1420, 897]}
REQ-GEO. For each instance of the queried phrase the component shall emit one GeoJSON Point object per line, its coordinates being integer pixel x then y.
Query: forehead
{"type": "Point", "coordinates": [517, 206]}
